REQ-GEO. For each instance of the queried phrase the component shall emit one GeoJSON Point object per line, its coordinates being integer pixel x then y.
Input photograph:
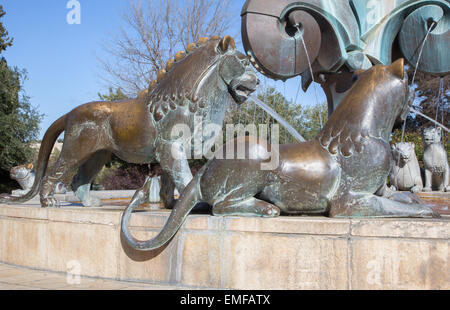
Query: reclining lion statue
{"type": "Point", "coordinates": [405, 174]}
{"type": "Point", "coordinates": [336, 174]}
{"type": "Point", "coordinates": [197, 83]}
{"type": "Point", "coordinates": [24, 175]}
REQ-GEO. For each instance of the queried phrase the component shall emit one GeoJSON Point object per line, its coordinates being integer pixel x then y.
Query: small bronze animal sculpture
{"type": "Point", "coordinates": [24, 175]}
{"type": "Point", "coordinates": [405, 174]}
{"type": "Point", "coordinates": [335, 174]}
{"type": "Point", "coordinates": [197, 83]}
{"type": "Point", "coordinates": [435, 161]}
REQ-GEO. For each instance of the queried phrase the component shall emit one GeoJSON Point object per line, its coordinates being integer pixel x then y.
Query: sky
{"type": "Point", "coordinates": [62, 60]}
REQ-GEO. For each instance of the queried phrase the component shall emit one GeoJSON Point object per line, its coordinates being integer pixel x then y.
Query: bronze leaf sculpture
{"type": "Point", "coordinates": [336, 174]}
{"type": "Point", "coordinates": [198, 82]}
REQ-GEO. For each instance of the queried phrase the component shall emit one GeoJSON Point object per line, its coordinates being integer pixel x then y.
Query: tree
{"type": "Point", "coordinates": [5, 41]}
{"type": "Point", "coordinates": [113, 95]}
{"type": "Point", "coordinates": [306, 120]}
{"type": "Point", "coordinates": [157, 30]}
{"type": "Point", "coordinates": [433, 99]}
{"type": "Point", "coordinates": [19, 120]}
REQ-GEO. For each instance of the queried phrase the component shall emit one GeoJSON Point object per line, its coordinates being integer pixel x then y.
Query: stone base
{"type": "Point", "coordinates": [232, 253]}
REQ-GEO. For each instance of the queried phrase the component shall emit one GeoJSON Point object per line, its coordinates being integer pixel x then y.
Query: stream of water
{"type": "Point", "coordinates": [278, 118]}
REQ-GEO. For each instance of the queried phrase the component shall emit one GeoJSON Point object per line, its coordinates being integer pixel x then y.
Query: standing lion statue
{"type": "Point", "coordinates": [198, 84]}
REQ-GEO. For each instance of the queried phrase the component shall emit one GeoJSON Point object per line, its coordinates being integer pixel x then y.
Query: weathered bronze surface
{"type": "Point", "coordinates": [198, 83]}
{"type": "Point", "coordinates": [343, 36]}
{"type": "Point", "coordinates": [336, 174]}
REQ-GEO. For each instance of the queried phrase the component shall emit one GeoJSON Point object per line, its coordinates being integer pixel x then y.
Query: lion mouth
{"type": "Point", "coordinates": [242, 89]}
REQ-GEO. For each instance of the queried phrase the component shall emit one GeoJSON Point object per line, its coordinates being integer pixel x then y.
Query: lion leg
{"type": "Point", "coordinates": [364, 205]}
{"type": "Point", "coordinates": [251, 207]}
{"type": "Point", "coordinates": [174, 163]}
{"type": "Point", "coordinates": [81, 183]}
{"type": "Point", "coordinates": [167, 191]}
{"type": "Point", "coordinates": [445, 179]}
{"type": "Point", "coordinates": [49, 182]}
{"type": "Point", "coordinates": [428, 181]}
{"type": "Point", "coordinates": [81, 142]}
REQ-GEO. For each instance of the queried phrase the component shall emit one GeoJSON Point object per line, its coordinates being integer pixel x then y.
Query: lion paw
{"type": "Point", "coordinates": [271, 211]}
{"type": "Point", "coordinates": [415, 189]}
{"type": "Point", "coordinates": [93, 202]}
{"type": "Point", "coordinates": [5, 197]}
{"type": "Point", "coordinates": [50, 202]}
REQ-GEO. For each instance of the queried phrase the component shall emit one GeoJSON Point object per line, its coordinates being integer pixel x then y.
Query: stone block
{"type": "Point", "coordinates": [274, 261]}
{"type": "Point", "coordinates": [289, 225]}
{"type": "Point", "coordinates": [149, 220]}
{"type": "Point", "coordinates": [84, 216]}
{"type": "Point", "coordinates": [153, 266]}
{"type": "Point", "coordinates": [34, 212]}
{"type": "Point", "coordinates": [93, 247]}
{"type": "Point", "coordinates": [200, 262]}
{"type": "Point", "coordinates": [402, 228]}
{"type": "Point", "coordinates": [400, 264]}
{"type": "Point", "coordinates": [23, 242]}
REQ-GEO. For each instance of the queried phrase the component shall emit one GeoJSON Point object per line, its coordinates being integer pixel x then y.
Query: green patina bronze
{"type": "Point", "coordinates": [343, 36]}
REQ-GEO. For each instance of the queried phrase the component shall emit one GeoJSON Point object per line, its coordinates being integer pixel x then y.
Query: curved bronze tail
{"type": "Point", "coordinates": [190, 197]}
{"type": "Point", "coordinates": [47, 144]}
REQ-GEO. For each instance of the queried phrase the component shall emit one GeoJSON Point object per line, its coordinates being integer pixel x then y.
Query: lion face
{"type": "Point", "coordinates": [432, 135]}
{"type": "Point", "coordinates": [236, 72]}
{"type": "Point", "coordinates": [403, 152]}
{"type": "Point", "coordinates": [20, 172]}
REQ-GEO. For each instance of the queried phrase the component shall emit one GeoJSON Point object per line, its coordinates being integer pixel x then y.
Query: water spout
{"type": "Point", "coordinates": [430, 119]}
{"type": "Point", "coordinates": [278, 118]}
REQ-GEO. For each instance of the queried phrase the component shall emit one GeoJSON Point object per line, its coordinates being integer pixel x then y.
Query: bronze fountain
{"type": "Point", "coordinates": [336, 174]}
{"type": "Point", "coordinates": [355, 55]}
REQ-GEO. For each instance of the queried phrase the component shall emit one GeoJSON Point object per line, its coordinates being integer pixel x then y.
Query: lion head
{"type": "Point", "coordinates": [432, 135]}
{"type": "Point", "coordinates": [403, 152]}
{"type": "Point", "coordinates": [20, 172]}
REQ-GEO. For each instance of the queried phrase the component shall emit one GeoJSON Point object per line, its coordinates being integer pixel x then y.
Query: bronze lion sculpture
{"type": "Point", "coordinates": [198, 82]}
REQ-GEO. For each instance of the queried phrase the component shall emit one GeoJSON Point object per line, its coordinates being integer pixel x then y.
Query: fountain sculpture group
{"type": "Point", "coordinates": [353, 48]}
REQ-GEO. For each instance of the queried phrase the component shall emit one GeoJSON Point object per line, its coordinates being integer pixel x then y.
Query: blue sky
{"type": "Point", "coordinates": [62, 59]}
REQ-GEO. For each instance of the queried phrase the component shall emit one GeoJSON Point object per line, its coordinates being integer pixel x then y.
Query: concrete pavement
{"type": "Point", "coordinates": [18, 278]}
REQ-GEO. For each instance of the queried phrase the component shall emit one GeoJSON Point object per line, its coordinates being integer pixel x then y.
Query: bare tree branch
{"type": "Point", "coordinates": [154, 31]}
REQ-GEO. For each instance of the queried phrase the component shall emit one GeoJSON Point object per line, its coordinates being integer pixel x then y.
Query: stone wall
{"type": "Point", "coordinates": [234, 253]}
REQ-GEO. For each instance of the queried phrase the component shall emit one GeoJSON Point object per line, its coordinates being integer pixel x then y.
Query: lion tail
{"type": "Point", "coordinates": [190, 197]}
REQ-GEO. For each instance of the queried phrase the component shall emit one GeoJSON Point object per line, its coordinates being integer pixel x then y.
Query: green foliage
{"type": "Point", "coordinates": [306, 120]}
{"type": "Point", "coordinates": [5, 41]}
{"type": "Point", "coordinates": [416, 138]}
{"type": "Point", "coordinates": [432, 99]}
{"type": "Point", "coordinates": [19, 122]}
{"type": "Point", "coordinates": [313, 119]}
{"type": "Point", "coordinates": [114, 95]}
